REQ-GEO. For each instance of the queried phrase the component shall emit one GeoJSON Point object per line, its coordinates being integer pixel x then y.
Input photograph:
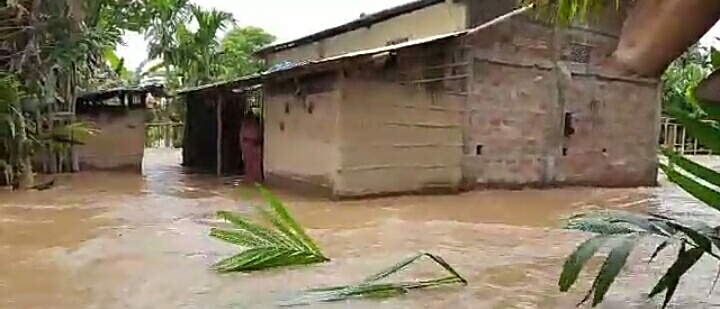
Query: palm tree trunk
{"type": "Point", "coordinates": [25, 171]}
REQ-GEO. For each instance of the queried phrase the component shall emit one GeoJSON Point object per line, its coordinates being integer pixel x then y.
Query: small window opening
{"type": "Point", "coordinates": [478, 150]}
{"type": "Point", "coordinates": [287, 108]}
{"type": "Point", "coordinates": [569, 130]}
{"type": "Point", "coordinates": [604, 150]}
{"type": "Point", "coordinates": [564, 151]}
{"type": "Point", "coordinates": [310, 108]}
{"type": "Point", "coordinates": [282, 126]}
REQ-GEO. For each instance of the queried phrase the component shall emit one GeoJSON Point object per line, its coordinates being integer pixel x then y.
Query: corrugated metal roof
{"type": "Point", "coordinates": [286, 67]}
{"type": "Point", "coordinates": [416, 42]}
{"type": "Point", "coordinates": [245, 80]}
{"type": "Point", "coordinates": [238, 82]}
{"type": "Point", "coordinates": [364, 21]}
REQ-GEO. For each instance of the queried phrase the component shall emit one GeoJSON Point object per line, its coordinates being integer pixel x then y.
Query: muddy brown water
{"type": "Point", "coordinates": [122, 241]}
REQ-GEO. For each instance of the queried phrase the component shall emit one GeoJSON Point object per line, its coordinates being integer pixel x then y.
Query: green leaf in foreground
{"type": "Point", "coordinates": [612, 267]}
{"type": "Point", "coordinates": [577, 260]}
{"type": "Point", "coordinates": [621, 231]}
{"type": "Point", "coordinates": [621, 246]}
{"type": "Point", "coordinates": [696, 189]}
{"type": "Point", "coordinates": [286, 245]}
{"type": "Point", "coordinates": [669, 282]}
{"type": "Point", "coordinates": [705, 132]}
{"type": "Point", "coordinates": [371, 288]}
{"type": "Point", "coordinates": [693, 168]}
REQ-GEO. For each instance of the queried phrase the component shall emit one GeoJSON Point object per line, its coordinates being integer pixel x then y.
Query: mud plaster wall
{"type": "Point", "coordinates": [399, 139]}
{"type": "Point", "coordinates": [514, 128]}
{"type": "Point", "coordinates": [301, 141]}
{"type": "Point", "coordinates": [119, 145]}
{"type": "Point", "coordinates": [407, 135]}
{"type": "Point", "coordinates": [438, 19]}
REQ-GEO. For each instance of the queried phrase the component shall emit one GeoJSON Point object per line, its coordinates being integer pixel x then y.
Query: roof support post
{"type": "Point", "coordinates": [218, 109]}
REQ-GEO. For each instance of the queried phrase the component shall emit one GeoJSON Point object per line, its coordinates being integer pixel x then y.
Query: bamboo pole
{"type": "Point", "coordinates": [218, 110]}
{"type": "Point", "coordinates": [682, 150]}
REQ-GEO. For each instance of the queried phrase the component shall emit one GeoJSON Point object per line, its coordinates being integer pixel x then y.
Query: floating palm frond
{"type": "Point", "coordinates": [286, 245]}
{"type": "Point", "coordinates": [372, 288]}
{"type": "Point", "coordinates": [621, 231]}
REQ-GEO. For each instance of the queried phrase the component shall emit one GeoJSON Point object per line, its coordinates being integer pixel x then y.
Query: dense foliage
{"type": "Point", "coordinates": [187, 40]}
{"type": "Point", "coordinates": [683, 76]}
{"type": "Point", "coordinates": [52, 50]}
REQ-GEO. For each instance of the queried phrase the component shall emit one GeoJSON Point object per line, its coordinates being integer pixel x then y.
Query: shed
{"type": "Point", "coordinates": [120, 115]}
{"type": "Point", "coordinates": [212, 124]}
{"type": "Point", "coordinates": [484, 107]}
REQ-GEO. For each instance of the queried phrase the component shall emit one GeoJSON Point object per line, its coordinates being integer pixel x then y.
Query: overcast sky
{"type": "Point", "coordinates": [287, 19]}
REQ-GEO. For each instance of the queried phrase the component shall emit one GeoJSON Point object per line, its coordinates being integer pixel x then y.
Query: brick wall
{"type": "Point", "coordinates": [515, 113]}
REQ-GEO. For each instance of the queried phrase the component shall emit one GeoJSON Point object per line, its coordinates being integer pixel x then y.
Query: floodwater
{"type": "Point", "coordinates": [127, 241]}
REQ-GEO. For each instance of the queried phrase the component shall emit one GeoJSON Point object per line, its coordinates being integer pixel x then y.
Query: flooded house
{"type": "Point", "coordinates": [502, 102]}
{"type": "Point", "coordinates": [215, 118]}
{"type": "Point", "coordinates": [119, 114]}
{"type": "Point", "coordinates": [413, 20]}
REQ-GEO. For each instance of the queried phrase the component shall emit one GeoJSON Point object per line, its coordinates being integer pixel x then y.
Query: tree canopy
{"type": "Point", "coordinates": [237, 48]}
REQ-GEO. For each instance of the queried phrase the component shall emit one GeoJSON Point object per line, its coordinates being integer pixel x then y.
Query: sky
{"type": "Point", "coordinates": [290, 19]}
{"type": "Point", "coordinates": [285, 19]}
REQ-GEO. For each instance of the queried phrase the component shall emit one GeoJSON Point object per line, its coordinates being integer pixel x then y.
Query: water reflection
{"type": "Point", "coordinates": [128, 241]}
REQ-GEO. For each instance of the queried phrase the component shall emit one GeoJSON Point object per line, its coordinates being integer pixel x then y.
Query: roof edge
{"type": "Point", "coordinates": [365, 21]}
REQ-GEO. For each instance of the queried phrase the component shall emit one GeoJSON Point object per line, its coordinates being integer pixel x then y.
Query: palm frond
{"type": "Point", "coordinates": [621, 232]}
{"type": "Point", "coordinates": [370, 287]}
{"type": "Point", "coordinates": [285, 245]}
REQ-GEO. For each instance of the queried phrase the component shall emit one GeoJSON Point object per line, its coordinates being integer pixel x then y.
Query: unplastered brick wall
{"type": "Point", "coordinates": [615, 125]}
{"type": "Point", "coordinates": [513, 132]}
{"type": "Point", "coordinates": [507, 114]}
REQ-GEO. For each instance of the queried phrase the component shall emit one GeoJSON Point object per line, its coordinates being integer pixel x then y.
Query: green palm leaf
{"type": "Point", "coordinates": [284, 216]}
{"type": "Point", "coordinates": [285, 245]}
{"type": "Point", "coordinates": [669, 282]}
{"type": "Point", "coordinates": [621, 231]}
{"type": "Point", "coordinates": [577, 260]}
{"type": "Point", "coordinates": [611, 268]}
{"type": "Point", "coordinates": [707, 133]}
{"type": "Point", "coordinates": [371, 288]}
{"type": "Point", "coordinates": [707, 195]}
{"type": "Point", "coordinates": [693, 168]}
